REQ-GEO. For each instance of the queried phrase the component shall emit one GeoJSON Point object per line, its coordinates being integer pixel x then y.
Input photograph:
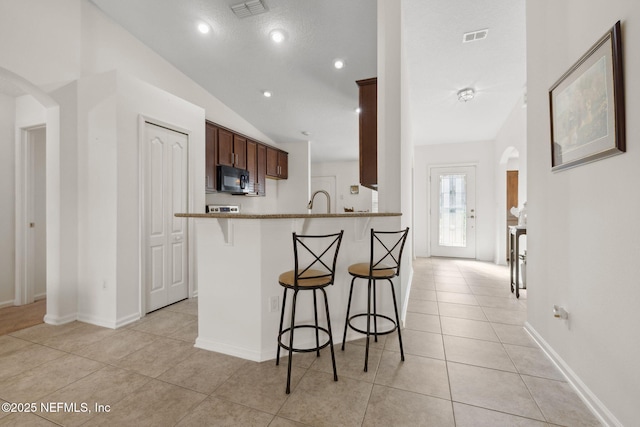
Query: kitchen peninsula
{"type": "Point", "coordinates": [238, 260]}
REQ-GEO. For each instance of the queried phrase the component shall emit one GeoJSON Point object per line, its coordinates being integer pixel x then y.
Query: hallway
{"type": "Point", "coordinates": [468, 363]}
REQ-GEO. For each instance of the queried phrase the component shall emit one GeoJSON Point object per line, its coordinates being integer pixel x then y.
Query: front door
{"type": "Point", "coordinates": [166, 179]}
{"type": "Point", "coordinates": [453, 211]}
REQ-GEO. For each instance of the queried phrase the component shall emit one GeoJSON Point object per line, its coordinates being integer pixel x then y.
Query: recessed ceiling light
{"type": "Point", "coordinates": [204, 28]}
{"type": "Point", "coordinates": [277, 36]}
{"type": "Point", "coordinates": [306, 133]}
{"type": "Point", "coordinates": [266, 94]}
{"type": "Point", "coordinates": [339, 64]}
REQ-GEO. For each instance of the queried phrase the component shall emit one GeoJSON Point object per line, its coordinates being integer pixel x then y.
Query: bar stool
{"type": "Point", "coordinates": [384, 264]}
{"type": "Point", "coordinates": [314, 269]}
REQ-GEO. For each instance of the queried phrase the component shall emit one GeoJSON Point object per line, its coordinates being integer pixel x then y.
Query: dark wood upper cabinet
{"type": "Point", "coordinates": [211, 156]}
{"type": "Point", "coordinates": [252, 164]}
{"type": "Point", "coordinates": [283, 162]}
{"type": "Point", "coordinates": [277, 163]}
{"type": "Point", "coordinates": [369, 132]}
{"type": "Point", "coordinates": [239, 152]}
{"type": "Point", "coordinates": [260, 183]}
{"type": "Point", "coordinates": [232, 149]}
{"type": "Point", "coordinates": [225, 147]}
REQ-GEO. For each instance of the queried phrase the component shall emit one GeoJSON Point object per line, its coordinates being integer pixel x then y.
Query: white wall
{"type": "Point", "coordinates": [583, 240]}
{"type": "Point", "coordinates": [346, 174]}
{"type": "Point", "coordinates": [7, 196]}
{"type": "Point", "coordinates": [97, 198]}
{"type": "Point", "coordinates": [293, 193]}
{"type": "Point", "coordinates": [110, 106]}
{"type": "Point", "coordinates": [40, 40]}
{"type": "Point", "coordinates": [81, 43]}
{"type": "Point", "coordinates": [395, 149]}
{"type": "Point", "coordinates": [136, 97]}
{"type": "Point", "coordinates": [480, 154]}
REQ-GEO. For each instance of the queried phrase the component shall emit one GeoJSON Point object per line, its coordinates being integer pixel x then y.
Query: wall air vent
{"type": "Point", "coordinates": [249, 8]}
{"type": "Point", "coordinates": [475, 35]}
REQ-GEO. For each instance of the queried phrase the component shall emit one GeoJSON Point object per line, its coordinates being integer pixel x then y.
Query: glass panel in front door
{"type": "Point", "coordinates": [453, 210]}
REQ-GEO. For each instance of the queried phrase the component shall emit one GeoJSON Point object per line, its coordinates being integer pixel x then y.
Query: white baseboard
{"type": "Point", "coordinates": [40, 296]}
{"type": "Point", "coordinates": [243, 353]}
{"type": "Point", "coordinates": [94, 320]}
{"type": "Point", "coordinates": [588, 397]}
{"type": "Point", "coordinates": [60, 320]}
{"type": "Point", "coordinates": [124, 321]}
{"type": "Point", "coordinates": [107, 323]}
{"type": "Point", "coordinates": [4, 304]}
{"type": "Point", "coordinates": [405, 303]}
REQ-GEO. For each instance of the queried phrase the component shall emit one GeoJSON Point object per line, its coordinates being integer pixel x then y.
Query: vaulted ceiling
{"type": "Point", "coordinates": [237, 61]}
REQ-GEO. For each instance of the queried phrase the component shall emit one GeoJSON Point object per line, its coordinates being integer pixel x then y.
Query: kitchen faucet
{"type": "Point", "coordinates": [310, 205]}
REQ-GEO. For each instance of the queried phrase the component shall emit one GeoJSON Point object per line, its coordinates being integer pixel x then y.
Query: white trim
{"type": "Point", "coordinates": [20, 215]}
{"type": "Point", "coordinates": [39, 297]}
{"type": "Point", "coordinates": [127, 320]}
{"type": "Point", "coordinates": [57, 320]}
{"type": "Point", "coordinates": [604, 415]}
{"type": "Point", "coordinates": [244, 353]}
{"type": "Point", "coordinates": [108, 323]}
{"type": "Point", "coordinates": [23, 168]}
{"type": "Point", "coordinates": [405, 303]}
{"type": "Point", "coordinates": [9, 303]}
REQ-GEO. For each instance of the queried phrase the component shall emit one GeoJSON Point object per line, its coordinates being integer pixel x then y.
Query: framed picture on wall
{"type": "Point", "coordinates": [587, 106]}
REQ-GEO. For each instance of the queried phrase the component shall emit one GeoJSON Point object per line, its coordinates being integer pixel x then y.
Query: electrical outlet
{"type": "Point", "coordinates": [274, 304]}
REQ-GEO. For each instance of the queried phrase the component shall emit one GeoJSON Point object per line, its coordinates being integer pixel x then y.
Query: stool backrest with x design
{"type": "Point", "coordinates": [315, 258]}
{"type": "Point", "coordinates": [386, 251]}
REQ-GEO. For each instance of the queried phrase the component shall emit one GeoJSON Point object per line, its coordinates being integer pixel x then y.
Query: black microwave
{"type": "Point", "coordinates": [233, 180]}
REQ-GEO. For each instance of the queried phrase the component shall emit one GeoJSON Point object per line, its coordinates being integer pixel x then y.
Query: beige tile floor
{"type": "Point", "coordinates": [469, 362]}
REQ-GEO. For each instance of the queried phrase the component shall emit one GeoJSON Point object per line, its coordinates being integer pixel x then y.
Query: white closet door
{"type": "Point", "coordinates": [166, 179]}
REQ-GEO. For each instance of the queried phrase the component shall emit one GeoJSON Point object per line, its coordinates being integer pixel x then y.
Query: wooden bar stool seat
{"type": "Point", "coordinates": [314, 269]}
{"type": "Point", "coordinates": [384, 264]}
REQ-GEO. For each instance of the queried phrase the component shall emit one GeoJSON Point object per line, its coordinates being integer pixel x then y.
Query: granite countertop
{"type": "Point", "coordinates": [286, 216]}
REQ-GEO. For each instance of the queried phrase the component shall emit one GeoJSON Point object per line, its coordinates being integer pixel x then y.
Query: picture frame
{"type": "Point", "coordinates": [587, 106]}
{"type": "Point", "coordinates": [354, 189]}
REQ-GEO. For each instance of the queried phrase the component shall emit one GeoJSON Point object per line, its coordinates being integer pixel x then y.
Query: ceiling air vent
{"type": "Point", "coordinates": [475, 35]}
{"type": "Point", "coordinates": [249, 8]}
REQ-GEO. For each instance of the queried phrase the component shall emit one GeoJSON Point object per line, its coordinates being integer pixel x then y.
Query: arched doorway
{"type": "Point", "coordinates": [46, 115]}
{"type": "Point", "coordinates": [508, 196]}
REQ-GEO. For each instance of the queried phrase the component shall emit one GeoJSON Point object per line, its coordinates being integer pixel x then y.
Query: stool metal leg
{"type": "Point", "coordinates": [284, 302]}
{"type": "Point", "coordinates": [315, 313]}
{"type": "Point", "coordinates": [346, 322]}
{"type": "Point", "coordinates": [293, 322]}
{"type": "Point", "coordinates": [395, 306]}
{"type": "Point", "coordinates": [366, 352]}
{"type": "Point", "coordinates": [375, 313]}
{"type": "Point", "coordinates": [333, 356]}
